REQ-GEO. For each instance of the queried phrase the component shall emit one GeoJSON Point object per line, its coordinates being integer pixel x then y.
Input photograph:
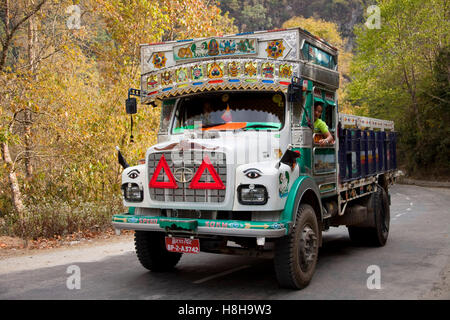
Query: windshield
{"type": "Point", "coordinates": [236, 110]}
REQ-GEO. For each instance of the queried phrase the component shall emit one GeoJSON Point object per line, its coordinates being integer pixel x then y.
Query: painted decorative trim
{"type": "Point", "coordinates": [229, 224]}
{"type": "Point", "coordinates": [237, 74]}
{"type": "Point", "coordinates": [214, 48]}
{"type": "Point", "coordinates": [159, 60]}
{"type": "Point", "coordinates": [275, 49]}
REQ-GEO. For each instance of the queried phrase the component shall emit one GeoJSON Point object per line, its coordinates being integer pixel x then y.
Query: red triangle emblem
{"type": "Point", "coordinates": [171, 184]}
{"type": "Point", "coordinates": [216, 185]}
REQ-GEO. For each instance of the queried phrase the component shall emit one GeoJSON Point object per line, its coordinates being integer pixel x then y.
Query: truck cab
{"type": "Point", "coordinates": [238, 167]}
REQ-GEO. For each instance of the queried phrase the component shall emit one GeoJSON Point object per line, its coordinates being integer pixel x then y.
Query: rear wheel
{"type": "Point", "coordinates": [378, 234]}
{"type": "Point", "coordinates": [296, 254]}
{"type": "Point", "coordinates": [151, 251]}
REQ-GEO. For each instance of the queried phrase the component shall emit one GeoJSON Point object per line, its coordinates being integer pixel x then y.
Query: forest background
{"type": "Point", "coordinates": [66, 66]}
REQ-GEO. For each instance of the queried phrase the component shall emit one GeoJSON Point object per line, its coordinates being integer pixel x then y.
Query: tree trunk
{"type": "Point", "coordinates": [14, 186]}
{"type": "Point", "coordinates": [412, 93]}
{"type": "Point", "coordinates": [27, 112]}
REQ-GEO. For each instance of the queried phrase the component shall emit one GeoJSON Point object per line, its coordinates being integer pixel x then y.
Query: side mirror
{"type": "Point", "coordinates": [131, 105]}
{"type": "Point", "coordinates": [290, 157]}
{"type": "Point", "coordinates": [295, 90]}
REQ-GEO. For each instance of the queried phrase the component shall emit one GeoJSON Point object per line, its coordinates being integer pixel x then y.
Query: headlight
{"type": "Point", "coordinates": [132, 193]}
{"type": "Point", "coordinates": [252, 194]}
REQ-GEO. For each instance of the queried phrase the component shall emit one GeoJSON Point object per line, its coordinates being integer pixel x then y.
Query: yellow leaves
{"type": "Point", "coordinates": [318, 27]}
{"type": "Point", "coordinates": [77, 94]}
{"type": "Point", "coordinates": [329, 32]}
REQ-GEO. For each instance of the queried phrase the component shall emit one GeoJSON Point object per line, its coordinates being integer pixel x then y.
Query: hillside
{"type": "Point", "coordinates": [253, 15]}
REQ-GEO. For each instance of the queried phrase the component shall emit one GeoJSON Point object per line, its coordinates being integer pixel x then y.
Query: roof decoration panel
{"type": "Point", "coordinates": [223, 74]}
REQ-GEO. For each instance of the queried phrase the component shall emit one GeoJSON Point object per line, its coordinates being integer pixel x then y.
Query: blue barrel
{"type": "Point", "coordinates": [380, 149]}
{"type": "Point", "coordinates": [372, 152]}
{"type": "Point", "coordinates": [356, 148]}
{"type": "Point", "coordinates": [385, 140]}
{"type": "Point", "coordinates": [393, 149]}
{"type": "Point", "coordinates": [349, 146]}
{"type": "Point", "coordinates": [365, 154]}
{"type": "Point", "coordinates": [342, 153]}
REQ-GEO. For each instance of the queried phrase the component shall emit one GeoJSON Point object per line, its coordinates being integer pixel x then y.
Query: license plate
{"type": "Point", "coordinates": [183, 245]}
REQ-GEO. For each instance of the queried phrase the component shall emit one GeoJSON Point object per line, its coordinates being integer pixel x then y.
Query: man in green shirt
{"type": "Point", "coordinates": [320, 126]}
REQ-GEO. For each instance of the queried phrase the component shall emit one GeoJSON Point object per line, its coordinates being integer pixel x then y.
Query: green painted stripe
{"type": "Point", "coordinates": [319, 99]}
{"type": "Point", "coordinates": [286, 215]}
{"type": "Point", "coordinates": [233, 224]}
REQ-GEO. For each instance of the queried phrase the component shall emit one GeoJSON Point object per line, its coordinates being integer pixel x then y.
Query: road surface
{"type": "Point", "coordinates": [414, 264]}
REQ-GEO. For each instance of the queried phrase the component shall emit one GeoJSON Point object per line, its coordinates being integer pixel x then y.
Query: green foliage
{"type": "Point", "coordinates": [256, 16]}
{"type": "Point", "coordinates": [329, 32]}
{"type": "Point", "coordinates": [400, 72]}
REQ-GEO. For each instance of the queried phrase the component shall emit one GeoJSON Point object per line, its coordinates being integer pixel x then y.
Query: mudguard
{"type": "Point", "coordinates": [296, 193]}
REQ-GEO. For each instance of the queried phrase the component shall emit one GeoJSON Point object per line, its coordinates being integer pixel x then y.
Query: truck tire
{"type": "Point", "coordinates": [296, 254]}
{"type": "Point", "coordinates": [151, 251]}
{"type": "Point", "coordinates": [377, 235]}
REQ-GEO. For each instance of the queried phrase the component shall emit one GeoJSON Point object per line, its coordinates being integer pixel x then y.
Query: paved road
{"type": "Point", "coordinates": [414, 264]}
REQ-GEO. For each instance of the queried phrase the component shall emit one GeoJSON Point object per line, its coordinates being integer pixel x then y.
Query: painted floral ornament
{"type": "Point", "coordinates": [152, 82]}
{"type": "Point", "coordinates": [275, 49]}
{"type": "Point", "coordinates": [251, 68]}
{"type": "Point", "coordinates": [228, 46]}
{"type": "Point", "coordinates": [267, 70]}
{"type": "Point", "coordinates": [285, 71]}
{"type": "Point", "coordinates": [233, 69]}
{"type": "Point", "coordinates": [197, 72]}
{"type": "Point", "coordinates": [182, 75]}
{"type": "Point", "coordinates": [215, 71]}
{"type": "Point", "coordinates": [166, 78]}
{"type": "Point", "coordinates": [159, 60]}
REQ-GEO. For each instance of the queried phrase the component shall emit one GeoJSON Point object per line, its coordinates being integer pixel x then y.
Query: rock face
{"type": "Point", "coordinates": [266, 15]}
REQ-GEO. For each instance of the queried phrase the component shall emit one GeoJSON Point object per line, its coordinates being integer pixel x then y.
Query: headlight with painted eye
{"type": "Point", "coordinates": [253, 173]}
{"type": "Point", "coordinates": [252, 194]}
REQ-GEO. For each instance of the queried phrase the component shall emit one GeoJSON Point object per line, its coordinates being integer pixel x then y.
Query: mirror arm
{"type": "Point", "coordinates": [131, 107]}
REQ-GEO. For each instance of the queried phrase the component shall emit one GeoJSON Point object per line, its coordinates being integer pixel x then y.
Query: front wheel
{"type": "Point", "coordinates": [152, 253]}
{"type": "Point", "coordinates": [296, 254]}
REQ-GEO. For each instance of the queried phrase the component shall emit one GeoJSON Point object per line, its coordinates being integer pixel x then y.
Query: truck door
{"type": "Point", "coordinates": [324, 157]}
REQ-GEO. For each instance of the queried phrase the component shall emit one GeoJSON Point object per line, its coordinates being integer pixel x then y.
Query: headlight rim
{"type": "Point", "coordinates": [132, 185]}
{"type": "Point", "coordinates": [256, 186]}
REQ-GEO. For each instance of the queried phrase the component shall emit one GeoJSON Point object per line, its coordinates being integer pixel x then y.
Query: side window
{"type": "Point", "coordinates": [166, 112]}
{"type": "Point", "coordinates": [318, 97]}
{"type": "Point", "coordinates": [327, 116]}
{"type": "Point", "coordinates": [318, 56]}
{"type": "Point", "coordinates": [329, 113]}
{"type": "Point", "coordinates": [297, 112]}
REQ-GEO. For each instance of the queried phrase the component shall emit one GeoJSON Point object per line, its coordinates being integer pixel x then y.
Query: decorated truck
{"type": "Point", "coordinates": [239, 168]}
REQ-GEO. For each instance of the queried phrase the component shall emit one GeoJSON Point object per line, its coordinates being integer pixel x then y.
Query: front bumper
{"type": "Point", "coordinates": [267, 229]}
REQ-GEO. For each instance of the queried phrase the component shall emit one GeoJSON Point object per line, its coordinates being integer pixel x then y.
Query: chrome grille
{"type": "Point", "coordinates": [191, 162]}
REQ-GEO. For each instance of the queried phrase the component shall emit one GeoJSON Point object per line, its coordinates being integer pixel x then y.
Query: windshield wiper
{"type": "Point", "coordinates": [261, 126]}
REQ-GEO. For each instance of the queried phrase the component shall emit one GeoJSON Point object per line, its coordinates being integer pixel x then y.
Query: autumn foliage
{"type": "Point", "coordinates": [63, 81]}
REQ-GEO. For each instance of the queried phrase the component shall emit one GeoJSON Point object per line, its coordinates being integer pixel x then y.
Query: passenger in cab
{"type": "Point", "coordinates": [320, 126]}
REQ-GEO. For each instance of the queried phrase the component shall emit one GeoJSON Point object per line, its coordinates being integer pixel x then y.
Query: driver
{"type": "Point", "coordinates": [320, 126]}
